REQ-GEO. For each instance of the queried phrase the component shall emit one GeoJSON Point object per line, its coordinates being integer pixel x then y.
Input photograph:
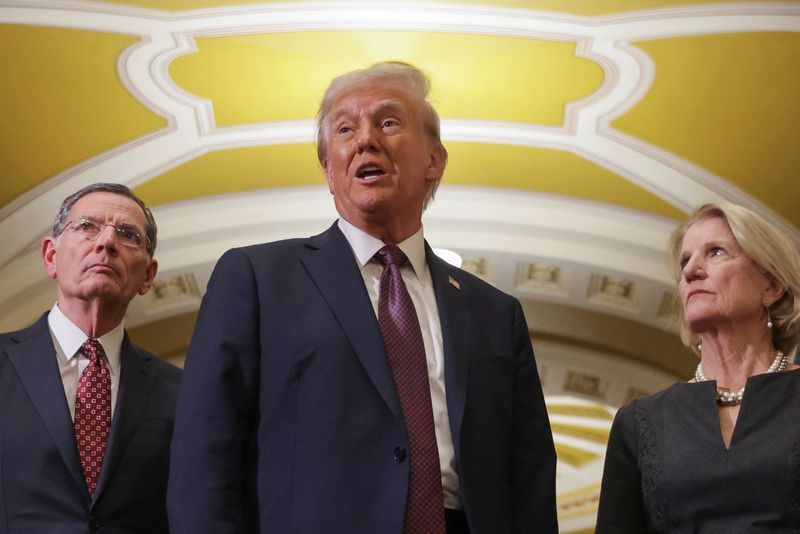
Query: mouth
{"type": "Point", "coordinates": [694, 293]}
{"type": "Point", "coordinates": [101, 267]}
{"type": "Point", "coordinates": [370, 171]}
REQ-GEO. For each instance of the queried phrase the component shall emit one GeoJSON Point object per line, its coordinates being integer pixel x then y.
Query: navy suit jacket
{"type": "Point", "coordinates": [288, 419]}
{"type": "Point", "coordinates": [42, 489]}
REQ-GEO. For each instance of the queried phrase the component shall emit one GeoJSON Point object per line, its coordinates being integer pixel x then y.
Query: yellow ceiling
{"type": "Point", "coordinates": [724, 102]}
{"type": "Point", "coordinates": [728, 103]}
{"type": "Point", "coordinates": [62, 102]}
{"type": "Point", "coordinates": [234, 170]}
{"type": "Point", "coordinates": [282, 76]}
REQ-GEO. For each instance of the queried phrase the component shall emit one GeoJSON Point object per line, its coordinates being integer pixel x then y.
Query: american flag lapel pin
{"type": "Point", "coordinates": [453, 282]}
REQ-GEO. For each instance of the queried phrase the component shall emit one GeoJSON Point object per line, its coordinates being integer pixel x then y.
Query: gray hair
{"type": "Point", "coordinates": [769, 248]}
{"type": "Point", "coordinates": [415, 82]}
{"type": "Point", "coordinates": [150, 229]}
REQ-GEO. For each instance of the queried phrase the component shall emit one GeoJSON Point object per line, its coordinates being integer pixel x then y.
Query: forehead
{"type": "Point", "coordinates": [372, 97]}
{"type": "Point", "coordinates": [108, 205]}
{"type": "Point", "coordinates": [708, 229]}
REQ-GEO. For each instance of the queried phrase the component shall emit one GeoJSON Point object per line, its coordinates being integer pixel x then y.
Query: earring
{"type": "Point", "coordinates": [699, 346]}
{"type": "Point", "coordinates": [769, 319]}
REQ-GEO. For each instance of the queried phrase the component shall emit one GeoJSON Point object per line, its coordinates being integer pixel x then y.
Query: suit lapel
{"type": "Point", "coordinates": [455, 321]}
{"type": "Point", "coordinates": [34, 359]}
{"type": "Point", "coordinates": [135, 385]}
{"type": "Point", "coordinates": [332, 266]}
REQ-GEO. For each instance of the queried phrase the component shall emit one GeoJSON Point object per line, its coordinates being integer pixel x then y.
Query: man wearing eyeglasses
{"type": "Point", "coordinates": [87, 416]}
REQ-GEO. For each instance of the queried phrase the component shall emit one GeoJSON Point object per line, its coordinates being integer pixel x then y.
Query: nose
{"type": "Point", "coordinates": [107, 238]}
{"type": "Point", "coordinates": [694, 269]}
{"type": "Point", "coordinates": [366, 140]}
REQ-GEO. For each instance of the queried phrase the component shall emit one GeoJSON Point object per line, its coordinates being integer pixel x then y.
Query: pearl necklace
{"type": "Point", "coordinates": [734, 398]}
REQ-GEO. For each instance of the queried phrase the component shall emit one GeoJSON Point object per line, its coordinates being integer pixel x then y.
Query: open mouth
{"type": "Point", "coordinates": [370, 172]}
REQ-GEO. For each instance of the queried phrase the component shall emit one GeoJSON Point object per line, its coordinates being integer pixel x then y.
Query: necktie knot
{"type": "Point", "coordinates": [392, 255]}
{"type": "Point", "coordinates": [93, 350]}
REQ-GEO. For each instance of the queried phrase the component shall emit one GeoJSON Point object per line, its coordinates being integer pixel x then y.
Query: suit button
{"type": "Point", "coordinates": [94, 522]}
{"type": "Point", "coordinates": [399, 454]}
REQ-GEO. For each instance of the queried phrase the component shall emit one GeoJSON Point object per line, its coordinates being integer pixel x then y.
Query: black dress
{"type": "Point", "coordinates": [667, 468]}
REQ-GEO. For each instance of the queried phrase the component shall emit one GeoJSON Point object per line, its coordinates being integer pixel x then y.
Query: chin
{"type": "Point", "coordinates": [700, 324]}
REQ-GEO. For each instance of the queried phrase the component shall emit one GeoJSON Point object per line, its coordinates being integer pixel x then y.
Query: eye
{"type": "Point", "coordinates": [344, 129]}
{"type": "Point", "coordinates": [389, 123]}
{"type": "Point", "coordinates": [129, 234]}
{"type": "Point", "coordinates": [717, 251]}
{"type": "Point", "coordinates": [86, 226]}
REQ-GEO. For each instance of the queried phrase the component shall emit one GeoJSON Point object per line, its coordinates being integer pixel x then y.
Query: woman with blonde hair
{"type": "Point", "coordinates": [721, 452]}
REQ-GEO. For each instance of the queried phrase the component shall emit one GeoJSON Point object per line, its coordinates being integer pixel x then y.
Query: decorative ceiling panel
{"type": "Point", "coordinates": [281, 76]}
{"type": "Point", "coordinates": [235, 170]}
{"type": "Point", "coordinates": [541, 169]}
{"type": "Point", "coordinates": [61, 102]}
{"type": "Point", "coordinates": [728, 102]}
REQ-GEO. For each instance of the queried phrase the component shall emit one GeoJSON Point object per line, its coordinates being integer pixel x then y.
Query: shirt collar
{"type": "Point", "coordinates": [70, 338]}
{"type": "Point", "coordinates": [366, 246]}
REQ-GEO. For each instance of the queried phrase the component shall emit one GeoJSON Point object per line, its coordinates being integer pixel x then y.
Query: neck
{"type": "Point", "coordinates": [390, 233]}
{"type": "Point", "coordinates": [731, 360]}
{"type": "Point", "coordinates": [93, 317]}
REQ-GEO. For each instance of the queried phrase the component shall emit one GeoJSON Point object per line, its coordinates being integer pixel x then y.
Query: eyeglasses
{"type": "Point", "coordinates": [128, 235]}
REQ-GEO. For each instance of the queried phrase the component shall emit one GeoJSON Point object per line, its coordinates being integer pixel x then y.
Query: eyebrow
{"type": "Point", "coordinates": [101, 220]}
{"type": "Point", "coordinates": [389, 104]}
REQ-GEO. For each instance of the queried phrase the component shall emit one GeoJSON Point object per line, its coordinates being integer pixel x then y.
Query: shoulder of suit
{"type": "Point", "coordinates": [17, 336]}
{"type": "Point", "coordinates": [273, 249]}
{"type": "Point", "coordinates": [474, 283]}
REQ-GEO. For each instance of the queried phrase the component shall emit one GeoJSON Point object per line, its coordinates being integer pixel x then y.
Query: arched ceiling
{"type": "Point", "coordinates": [579, 133]}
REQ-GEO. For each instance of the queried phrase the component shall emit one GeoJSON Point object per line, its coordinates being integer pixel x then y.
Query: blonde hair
{"type": "Point", "coordinates": [407, 77]}
{"type": "Point", "coordinates": [769, 248]}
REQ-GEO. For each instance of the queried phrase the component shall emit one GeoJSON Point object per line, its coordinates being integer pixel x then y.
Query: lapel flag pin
{"type": "Point", "coordinates": [454, 282]}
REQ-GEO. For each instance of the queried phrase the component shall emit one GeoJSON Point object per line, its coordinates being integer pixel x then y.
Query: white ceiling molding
{"type": "Point", "coordinates": [508, 228]}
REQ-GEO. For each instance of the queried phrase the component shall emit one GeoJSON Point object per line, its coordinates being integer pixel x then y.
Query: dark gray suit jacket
{"type": "Point", "coordinates": [42, 489]}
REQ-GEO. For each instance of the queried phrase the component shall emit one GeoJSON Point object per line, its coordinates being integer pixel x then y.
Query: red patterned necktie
{"type": "Point", "coordinates": [93, 412]}
{"type": "Point", "coordinates": [404, 346]}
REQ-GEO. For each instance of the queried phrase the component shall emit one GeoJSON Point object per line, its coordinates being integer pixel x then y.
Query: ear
{"type": "Point", "coordinates": [49, 256]}
{"type": "Point", "coordinates": [773, 292]}
{"type": "Point", "coordinates": [437, 162]}
{"type": "Point", "coordinates": [150, 275]}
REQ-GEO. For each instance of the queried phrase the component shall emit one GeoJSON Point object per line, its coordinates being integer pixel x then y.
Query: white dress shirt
{"type": "Point", "coordinates": [67, 339]}
{"type": "Point", "coordinates": [417, 278]}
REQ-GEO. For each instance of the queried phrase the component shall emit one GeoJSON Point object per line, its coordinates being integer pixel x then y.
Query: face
{"type": "Point", "coordinates": [719, 282]}
{"type": "Point", "coordinates": [101, 268]}
{"type": "Point", "coordinates": [380, 161]}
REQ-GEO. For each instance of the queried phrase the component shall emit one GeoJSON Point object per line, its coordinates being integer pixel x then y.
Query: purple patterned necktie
{"type": "Point", "coordinates": [404, 346]}
{"type": "Point", "coordinates": [93, 412]}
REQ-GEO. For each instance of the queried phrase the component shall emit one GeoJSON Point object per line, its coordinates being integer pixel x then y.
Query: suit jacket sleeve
{"type": "Point", "coordinates": [621, 507]}
{"type": "Point", "coordinates": [217, 406]}
{"type": "Point", "coordinates": [533, 469]}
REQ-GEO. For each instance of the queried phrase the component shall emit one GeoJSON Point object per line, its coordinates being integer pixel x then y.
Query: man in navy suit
{"type": "Point", "coordinates": [101, 255]}
{"type": "Point", "coordinates": [291, 416]}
